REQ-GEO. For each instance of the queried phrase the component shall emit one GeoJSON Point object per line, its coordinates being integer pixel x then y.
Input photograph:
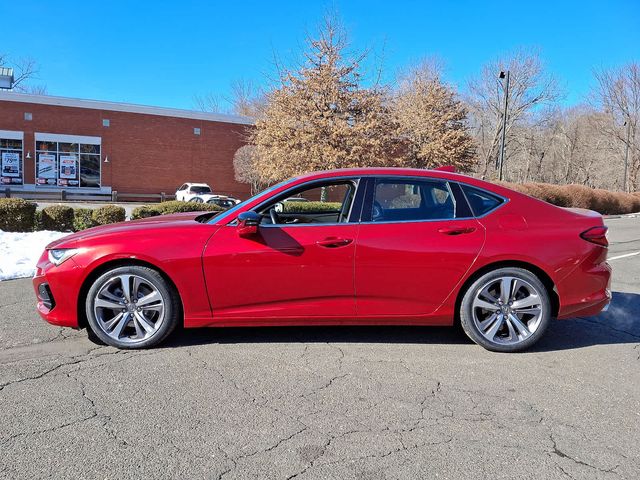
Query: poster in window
{"type": "Point", "coordinates": [46, 167]}
{"type": "Point", "coordinates": [10, 164]}
{"type": "Point", "coordinates": [68, 166]}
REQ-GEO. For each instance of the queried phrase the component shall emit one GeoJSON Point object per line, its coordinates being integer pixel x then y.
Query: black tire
{"type": "Point", "coordinates": [93, 338]}
{"type": "Point", "coordinates": [467, 315]}
{"type": "Point", "coordinates": [169, 297]}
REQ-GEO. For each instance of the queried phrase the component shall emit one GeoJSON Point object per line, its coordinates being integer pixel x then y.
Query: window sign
{"type": "Point", "coordinates": [67, 161]}
{"type": "Point", "coordinates": [46, 169]}
{"type": "Point", "coordinates": [10, 164]}
{"type": "Point", "coordinates": [68, 170]}
{"type": "Point", "coordinates": [10, 161]}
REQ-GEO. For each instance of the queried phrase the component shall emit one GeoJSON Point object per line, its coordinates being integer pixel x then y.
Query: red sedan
{"type": "Point", "coordinates": [367, 247]}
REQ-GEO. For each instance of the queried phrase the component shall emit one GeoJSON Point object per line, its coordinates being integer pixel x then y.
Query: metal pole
{"type": "Point", "coordinates": [504, 124]}
{"type": "Point", "coordinates": [626, 156]}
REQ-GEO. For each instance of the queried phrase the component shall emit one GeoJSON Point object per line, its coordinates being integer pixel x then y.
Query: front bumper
{"type": "Point", "coordinates": [57, 290]}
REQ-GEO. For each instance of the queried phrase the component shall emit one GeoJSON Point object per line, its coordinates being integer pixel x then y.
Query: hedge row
{"type": "Point", "coordinates": [175, 206]}
{"type": "Point", "coordinates": [18, 215]}
{"type": "Point", "coordinates": [578, 196]}
{"type": "Point", "coordinates": [311, 207]}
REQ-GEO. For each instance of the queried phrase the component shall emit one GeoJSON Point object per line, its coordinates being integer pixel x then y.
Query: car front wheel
{"type": "Point", "coordinates": [506, 310]}
{"type": "Point", "coordinates": [132, 307]}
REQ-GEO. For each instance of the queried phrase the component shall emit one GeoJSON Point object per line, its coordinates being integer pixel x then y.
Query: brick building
{"type": "Point", "coordinates": [49, 144]}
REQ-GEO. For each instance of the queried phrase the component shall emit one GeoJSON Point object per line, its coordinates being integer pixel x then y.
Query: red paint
{"type": "Point", "coordinates": [351, 273]}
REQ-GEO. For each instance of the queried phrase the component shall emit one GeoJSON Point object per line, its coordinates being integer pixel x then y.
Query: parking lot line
{"type": "Point", "coordinates": [632, 254]}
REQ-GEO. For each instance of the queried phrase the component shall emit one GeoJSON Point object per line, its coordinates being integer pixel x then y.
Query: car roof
{"type": "Point", "coordinates": [444, 174]}
{"type": "Point", "coordinates": [394, 171]}
{"type": "Point", "coordinates": [197, 184]}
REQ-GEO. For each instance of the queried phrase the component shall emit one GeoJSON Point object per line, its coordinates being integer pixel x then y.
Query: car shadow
{"type": "Point", "coordinates": [620, 324]}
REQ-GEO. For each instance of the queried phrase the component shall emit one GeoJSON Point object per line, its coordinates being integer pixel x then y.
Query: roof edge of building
{"type": "Point", "coordinates": [122, 107]}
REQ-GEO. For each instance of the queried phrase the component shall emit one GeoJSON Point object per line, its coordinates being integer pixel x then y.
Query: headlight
{"type": "Point", "coordinates": [58, 256]}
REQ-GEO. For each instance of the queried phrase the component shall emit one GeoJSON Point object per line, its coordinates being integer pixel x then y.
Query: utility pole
{"type": "Point", "coordinates": [505, 88]}
{"type": "Point", "coordinates": [626, 155]}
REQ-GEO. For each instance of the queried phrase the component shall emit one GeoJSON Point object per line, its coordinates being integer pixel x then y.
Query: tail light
{"type": "Point", "coordinates": [597, 235]}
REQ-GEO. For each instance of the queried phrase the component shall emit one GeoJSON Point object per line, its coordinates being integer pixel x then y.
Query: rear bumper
{"type": "Point", "coordinates": [586, 292]}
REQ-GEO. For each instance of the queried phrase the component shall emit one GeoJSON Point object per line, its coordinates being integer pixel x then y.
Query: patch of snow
{"type": "Point", "coordinates": [19, 252]}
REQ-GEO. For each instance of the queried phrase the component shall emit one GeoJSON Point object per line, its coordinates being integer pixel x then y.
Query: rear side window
{"type": "Point", "coordinates": [481, 201]}
{"type": "Point", "coordinates": [398, 200]}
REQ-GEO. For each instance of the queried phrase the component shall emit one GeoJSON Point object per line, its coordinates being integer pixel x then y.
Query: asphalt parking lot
{"type": "Point", "coordinates": [347, 403]}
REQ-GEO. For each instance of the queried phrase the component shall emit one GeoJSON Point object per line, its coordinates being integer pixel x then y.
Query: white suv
{"type": "Point", "coordinates": [189, 190]}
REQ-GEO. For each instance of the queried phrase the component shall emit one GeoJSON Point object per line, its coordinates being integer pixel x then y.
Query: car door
{"type": "Point", "coordinates": [296, 268]}
{"type": "Point", "coordinates": [416, 242]}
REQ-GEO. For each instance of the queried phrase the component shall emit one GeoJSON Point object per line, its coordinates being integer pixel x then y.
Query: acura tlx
{"type": "Point", "coordinates": [374, 246]}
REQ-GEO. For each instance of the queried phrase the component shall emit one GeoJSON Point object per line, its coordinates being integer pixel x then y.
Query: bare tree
{"type": "Point", "coordinates": [207, 103]}
{"type": "Point", "coordinates": [531, 90]}
{"type": "Point", "coordinates": [432, 121]}
{"type": "Point", "coordinates": [618, 95]}
{"type": "Point", "coordinates": [245, 166]}
{"type": "Point", "coordinates": [246, 100]}
{"type": "Point", "coordinates": [24, 71]}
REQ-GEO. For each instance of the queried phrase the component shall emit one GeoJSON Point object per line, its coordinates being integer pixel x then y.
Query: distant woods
{"type": "Point", "coordinates": [326, 111]}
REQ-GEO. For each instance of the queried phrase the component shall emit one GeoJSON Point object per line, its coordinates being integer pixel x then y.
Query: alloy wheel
{"type": "Point", "coordinates": [129, 308]}
{"type": "Point", "coordinates": [507, 310]}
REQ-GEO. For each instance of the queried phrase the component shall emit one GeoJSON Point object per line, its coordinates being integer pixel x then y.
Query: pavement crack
{"type": "Point", "coordinates": [50, 429]}
{"type": "Point", "coordinates": [556, 451]}
{"type": "Point", "coordinates": [325, 386]}
{"type": "Point", "coordinates": [240, 458]}
{"type": "Point", "coordinates": [106, 419]}
{"type": "Point", "coordinates": [24, 302]}
{"type": "Point", "coordinates": [40, 375]}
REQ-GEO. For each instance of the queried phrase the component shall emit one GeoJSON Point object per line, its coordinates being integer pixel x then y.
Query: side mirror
{"type": "Point", "coordinates": [248, 223]}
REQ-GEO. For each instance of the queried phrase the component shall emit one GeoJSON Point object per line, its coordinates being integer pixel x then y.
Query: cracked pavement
{"type": "Point", "coordinates": [306, 403]}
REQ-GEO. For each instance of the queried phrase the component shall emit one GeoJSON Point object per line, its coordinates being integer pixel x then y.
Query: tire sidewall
{"type": "Point", "coordinates": [466, 309]}
{"type": "Point", "coordinates": [164, 288]}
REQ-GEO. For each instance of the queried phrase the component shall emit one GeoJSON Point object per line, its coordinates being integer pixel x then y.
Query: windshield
{"type": "Point", "coordinates": [229, 213]}
{"type": "Point", "coordinates": [200, 190]}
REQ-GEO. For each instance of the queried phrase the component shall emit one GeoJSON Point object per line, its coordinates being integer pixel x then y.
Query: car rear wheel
{"type": "Point", "coordinates": [506, 310]}
{"type": "Point", "coordinates": [132, 307]}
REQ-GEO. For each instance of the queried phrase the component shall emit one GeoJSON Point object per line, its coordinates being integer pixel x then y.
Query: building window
{"type": "Point", "coordinates": [28, 116]}
{"type": "Point", "coordinates": [105, 122]}
{"type": "Point", "coordinates": [67, 164]}
{"type": "Point", "coordinates": [10, 160]}
{"type": "Point", "coordinates": [196, 131]}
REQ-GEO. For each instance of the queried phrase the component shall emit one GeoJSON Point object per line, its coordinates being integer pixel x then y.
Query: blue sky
{"type": "Point", "coordinates": [164, 53]}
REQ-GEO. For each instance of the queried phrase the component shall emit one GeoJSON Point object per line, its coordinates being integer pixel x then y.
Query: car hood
{"type": "Point", "coordinates": [123, 228]}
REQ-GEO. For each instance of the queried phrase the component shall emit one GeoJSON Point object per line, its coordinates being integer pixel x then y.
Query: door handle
{"type": "Point", "coordinates": [456, 230]}
{"type": "Point", "coordinates": [334, 242]}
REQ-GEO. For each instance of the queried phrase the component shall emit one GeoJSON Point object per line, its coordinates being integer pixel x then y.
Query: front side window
{"type": "Point", "coordinates": [402, 200]}
{"type": "Point", "coordinates": [322, 203]}
{"type": "Point", "coordinates": [480, 201]}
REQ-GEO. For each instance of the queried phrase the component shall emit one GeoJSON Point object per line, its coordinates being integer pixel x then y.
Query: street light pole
{"type": "Point", "coordinates": [626, 155]}
{"type": "Point", "coordinates": [505, 87]}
